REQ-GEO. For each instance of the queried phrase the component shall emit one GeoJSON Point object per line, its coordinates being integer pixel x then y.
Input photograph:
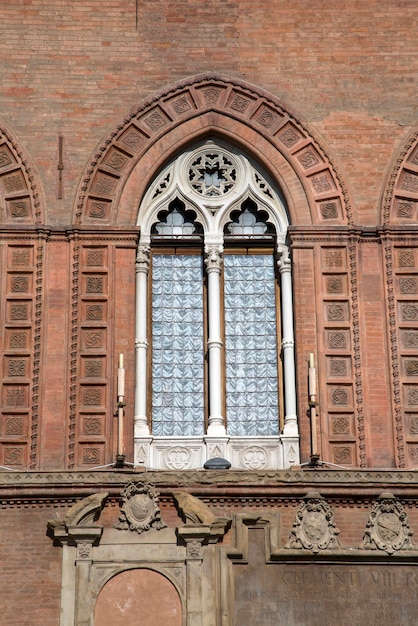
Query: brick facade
{"type": "Point", "coordinates": [96, 98]}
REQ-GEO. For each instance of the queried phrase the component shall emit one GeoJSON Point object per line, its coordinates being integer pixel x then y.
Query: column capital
{"type": "Point", "coordinates": [283, 258]}
{"type": "Point", "coordinates": [213, 257]}
{"type": "Point", "coordinates": [143, 257]}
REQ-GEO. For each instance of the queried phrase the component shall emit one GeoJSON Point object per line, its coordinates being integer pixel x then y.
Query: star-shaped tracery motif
{"type": "Point", "coordinates": [212, 174]}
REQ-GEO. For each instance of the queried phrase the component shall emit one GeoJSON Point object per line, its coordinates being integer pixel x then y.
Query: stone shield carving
{"type": "Point", "coordinates": [314, 528]}
{"type": "Point", "coordinates": [387, 527]}
{"type": "Point", "coordinates": [139, 511]}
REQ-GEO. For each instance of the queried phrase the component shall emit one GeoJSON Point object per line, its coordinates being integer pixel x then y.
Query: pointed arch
{"type": "Point", "coordinates": [212, 105]}
{"type": "Point", "coordinates": [399, 203]}
{"type": "Point", "coordinates": [20, 200]}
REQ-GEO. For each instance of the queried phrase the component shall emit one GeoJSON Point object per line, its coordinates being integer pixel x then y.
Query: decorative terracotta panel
{"type": "Point", "coordinates": [20, 342]}
{"type": "Point", "coordinates": [339, 402]}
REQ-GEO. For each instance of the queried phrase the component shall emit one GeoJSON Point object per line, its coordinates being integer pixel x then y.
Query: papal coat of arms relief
{"type": "Point", "coordinates": [314, 528]}
{"type": "Point", "coordinates": [139, 511]}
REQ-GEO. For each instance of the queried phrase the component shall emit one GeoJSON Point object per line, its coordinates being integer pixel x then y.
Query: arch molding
{"type": "Point", "coordinates": [228, 108]}
{"type": "Point", "coordinates": [20, 201]}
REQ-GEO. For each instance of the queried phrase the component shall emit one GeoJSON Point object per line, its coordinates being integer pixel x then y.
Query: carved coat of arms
{"type": "Point", "coordinates": [314, 528]}
{"type": "Point", "coordinates": [139, 511]}
{"type": "Point", "coordinates": [387, 527]}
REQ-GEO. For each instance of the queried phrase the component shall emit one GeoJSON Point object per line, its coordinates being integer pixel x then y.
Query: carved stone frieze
{"type": "Point", "coordinates": [140, 511]}
{"type": "Point", "coordinates": [194, 549]}
{"type": "Point", "coordinates": [409, 182]}
{"type": "Point", "coordinates": [388, 528]}
{"type": "Point", "coordinates": [94, 284]}
{"type": "Point", "coordinates": [18, 339]}
{"type": "Point", "coordinates": [91, 456]}
{"type": "Point", "coordinates": [405, 210]}
{"type": "Point", "coordinates": [20, 284]}
{"type": "Point", "coordinates": [314, 528]}
{"type": "Point", "coordinates": [253, 457]}
{"type": "Point", "coordinates": [84, 550]}
{"type": "Point", "coordinates": [409, 312]}
{"type": "Point", "coordinates": [14, 455]}
{"type": "Point", "coordinates": [93, 368]}
{"type": "Point", "coordinates": [15, 426]}
{"type": "Point", "coordinates": [94, 312]}
{"type": "Point", "coordinates": [339, 397]}
{"type": "Point", "coordinates": [342, 455]}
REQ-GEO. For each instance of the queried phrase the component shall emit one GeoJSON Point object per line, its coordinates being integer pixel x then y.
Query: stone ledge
{"type": "Point", "coordinates": [219, 479]}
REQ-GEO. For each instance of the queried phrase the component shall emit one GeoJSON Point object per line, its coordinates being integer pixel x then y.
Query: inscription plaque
{"type": "Point", "coordinates": [318, 593]}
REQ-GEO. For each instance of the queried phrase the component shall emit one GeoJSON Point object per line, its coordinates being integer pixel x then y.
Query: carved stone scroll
{"type": "Point", "coordinates": [202, 525]}
{"type": "Point", "coordinates": [82, 514]}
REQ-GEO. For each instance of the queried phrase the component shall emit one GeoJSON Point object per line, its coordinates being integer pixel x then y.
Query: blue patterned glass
{"type": "Point", "coordinates": [251, 345]}
{"type": "Point", "coordinates": [177, 345]}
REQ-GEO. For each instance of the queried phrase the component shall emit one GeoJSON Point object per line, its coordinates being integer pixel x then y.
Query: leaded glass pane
{"type": "Point", "coordinates": [177, 345]}
{"type": "Point", "coordinates": [251, 345]}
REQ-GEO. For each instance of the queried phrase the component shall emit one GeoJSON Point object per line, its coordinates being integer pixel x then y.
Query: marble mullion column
{"type": "Point", "coordinates": [288, 343]}
{"type": "Point", "coordinates": [213, 261]}
{"type": "Point", "coordinates": [141, 428]}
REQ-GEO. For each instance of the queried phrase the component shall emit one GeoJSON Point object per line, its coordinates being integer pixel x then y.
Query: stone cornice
{"type": "Point", "coordinates": [60, 233]}
{"type": "Point", "coordinates": [275, 483]}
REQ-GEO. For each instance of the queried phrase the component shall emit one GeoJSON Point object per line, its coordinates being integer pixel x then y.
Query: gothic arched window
{"type": "Point", "coordinates": [214, 321]}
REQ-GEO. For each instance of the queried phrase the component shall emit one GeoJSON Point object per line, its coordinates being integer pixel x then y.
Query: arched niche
{"type": "Point", "coordinates": [212, 105]}
{"type": "Point", "coordinates": [138, 596]}
{"type": "Point", "coordinates": [20, 201]}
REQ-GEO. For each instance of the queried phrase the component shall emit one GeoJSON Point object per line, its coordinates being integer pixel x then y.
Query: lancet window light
{"type": "Point", "coordinates": [214, 316]}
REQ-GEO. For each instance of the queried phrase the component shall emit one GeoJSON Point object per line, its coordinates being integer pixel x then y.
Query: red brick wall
{"type": "Point", "coordinates": [77, 68]}
{"type": "Point", "coordinates": [30, 574]}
